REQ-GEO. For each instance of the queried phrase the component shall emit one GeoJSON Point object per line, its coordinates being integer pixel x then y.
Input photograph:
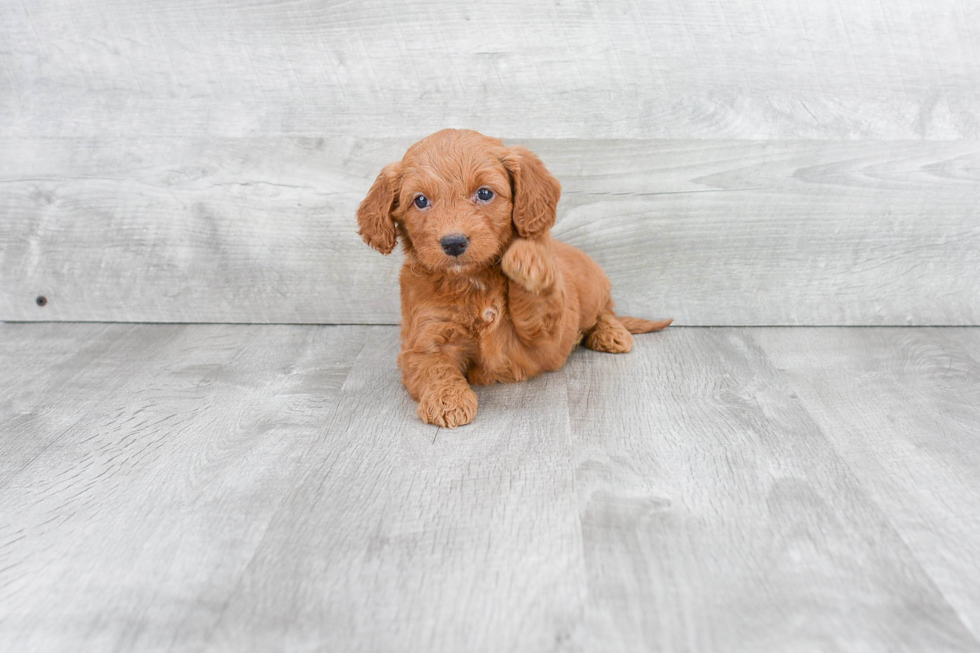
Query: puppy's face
{"type": "Point", "coordinates": [455, 201]}
{"type": "Point", "coordinates": [458, 197]}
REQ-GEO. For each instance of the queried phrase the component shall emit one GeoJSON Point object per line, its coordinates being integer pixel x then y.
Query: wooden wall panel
{"type": "Point", "coordinates": [588, 69]}
{"type": "Point", "coordinates": [756, 163]}
{"type": "Point", "coordinates": [709, 232]}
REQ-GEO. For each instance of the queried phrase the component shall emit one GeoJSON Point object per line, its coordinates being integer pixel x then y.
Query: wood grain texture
{"type": "Point", "coordinates": [239, 488]}
{"type": "Point", "coordinates": [418, 538]}
{"type": "Point", "coordinates": [588, 69]}
{"type": "Point", "coordinates": [919, 392]}
{"type": "Point", "coordinates": [717, 515]}
{"type": "Point", "coordinates": [149, 465]}
{"type": "Point", "coordinates": [708, 232]}
{"type": "Point", "coordinates": [789, 163]}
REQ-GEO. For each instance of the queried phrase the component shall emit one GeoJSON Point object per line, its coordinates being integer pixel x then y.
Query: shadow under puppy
{"type": "Point", "coordinates": [487, 295]}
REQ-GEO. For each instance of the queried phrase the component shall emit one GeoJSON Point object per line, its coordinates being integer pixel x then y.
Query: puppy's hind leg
{"type": "Point", "coordinates": [609, 335]}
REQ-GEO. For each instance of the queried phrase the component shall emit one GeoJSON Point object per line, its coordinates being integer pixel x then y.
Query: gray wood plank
{"type": "Point", "coordinates": [405, 537]}
{"type": "Point", "coordinates": [234, 487]}
{"type": "Point", "coordinates": [902, 408]}
{"type": "Point", "coordinates": [55, 375]}
{"type": "Point", "coordinates": [261, 229]}
{"type": "Point", "coordinates": [616, 69]}
{"type": "Point", "coordinates": [131, 529]}
{"type": "Point", "coordinates": [717, 516]}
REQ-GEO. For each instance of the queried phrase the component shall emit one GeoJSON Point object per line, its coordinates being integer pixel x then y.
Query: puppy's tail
{"type": "Point", "coordinates": [639, 325]}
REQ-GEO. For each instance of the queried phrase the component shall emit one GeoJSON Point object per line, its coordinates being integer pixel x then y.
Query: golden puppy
{"type": "Point", "coordinates": [487, 295]}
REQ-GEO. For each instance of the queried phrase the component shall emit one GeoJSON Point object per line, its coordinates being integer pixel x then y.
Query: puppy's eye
{"type": "Point", "coordinates": [484, 194]}
{"type": "Point", "coordinates": [421, 201]}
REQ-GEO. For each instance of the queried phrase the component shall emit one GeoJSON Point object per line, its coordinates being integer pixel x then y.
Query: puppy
{"type": "Point", "coordinates": [487, 295]}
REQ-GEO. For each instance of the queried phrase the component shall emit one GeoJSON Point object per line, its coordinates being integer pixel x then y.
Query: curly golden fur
{"type": "Point", "coordinates": [487, 294]}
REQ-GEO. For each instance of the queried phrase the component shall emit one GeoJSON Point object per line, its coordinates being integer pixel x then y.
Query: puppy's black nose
{"type": "Point", "coordinates": [454, 244]}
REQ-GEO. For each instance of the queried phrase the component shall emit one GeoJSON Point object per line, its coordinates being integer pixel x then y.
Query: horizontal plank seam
{"type": "Point", "coordinates": [395, 324]}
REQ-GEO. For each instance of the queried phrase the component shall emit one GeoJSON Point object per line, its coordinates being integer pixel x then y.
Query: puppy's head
{"type": "Point", "coordinates": [458, 198]}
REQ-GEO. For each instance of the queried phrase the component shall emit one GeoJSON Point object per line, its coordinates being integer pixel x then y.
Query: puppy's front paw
{"type": "Point", "coordinates": [448, 407]}
{"type": "Point", "coordinates": [527, 263]}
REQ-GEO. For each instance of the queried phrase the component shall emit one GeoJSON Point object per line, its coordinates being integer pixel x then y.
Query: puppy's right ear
{"type": "Point", "coordinates": [536, 192]}
{"type": "Point", "coordinates": [374, 216]}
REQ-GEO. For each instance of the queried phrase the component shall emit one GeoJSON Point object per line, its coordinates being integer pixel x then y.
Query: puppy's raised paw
{"type": "Point", "coordinates": [448, 407]}
{"type": "Point", "coordinates": [530, 264]}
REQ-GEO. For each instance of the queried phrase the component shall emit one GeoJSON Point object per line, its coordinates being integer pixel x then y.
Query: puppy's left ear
{"type": "Point", "coordinates": [536, 192]}
{"type": "Point", "coordinates": [374, 216]}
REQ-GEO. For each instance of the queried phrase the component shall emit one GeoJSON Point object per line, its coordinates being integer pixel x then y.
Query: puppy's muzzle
{"type": "Point", "coordinates": [454, 244]}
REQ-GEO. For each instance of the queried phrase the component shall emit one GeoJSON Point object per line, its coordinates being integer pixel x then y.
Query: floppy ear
{"type": "Point", "coordinates": [374, 216]}
{"type": "Point", "coordinates": [536, 192]}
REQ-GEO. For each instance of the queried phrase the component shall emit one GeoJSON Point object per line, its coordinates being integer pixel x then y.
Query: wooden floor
{"type": "Point", "coordinates": [268, 488]}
